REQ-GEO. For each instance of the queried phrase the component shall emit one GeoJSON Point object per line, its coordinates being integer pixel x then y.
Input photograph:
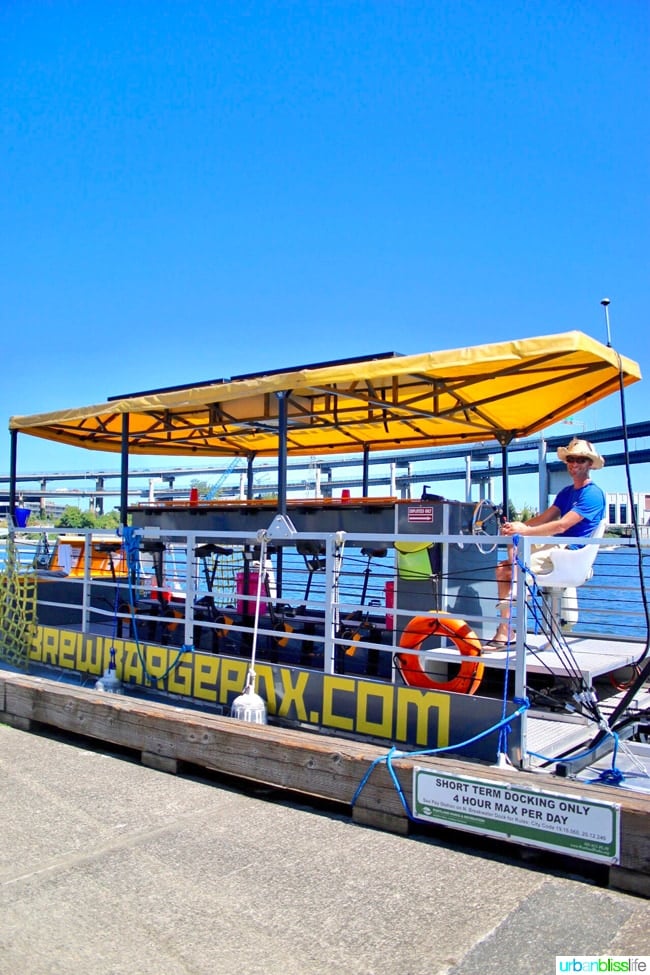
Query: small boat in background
{"type": "Point", "coordinates": [107, 557]}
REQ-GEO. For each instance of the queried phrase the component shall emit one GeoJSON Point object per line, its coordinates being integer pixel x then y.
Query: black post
{"type": "Point", "coordinates": [504, 480]}
{"type": "Point", "coordinates": [124, 470]}
{"type": "Point", "coordinates": [11, 508]}
{"type": "Point", "coordinates": [366, 464]}
{"type": "Point", "coordinates": [282, 451]}
{"type": "Point", "coordinates": [282, 474]}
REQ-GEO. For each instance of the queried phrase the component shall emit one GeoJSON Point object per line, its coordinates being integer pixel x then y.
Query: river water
{"type": "Point", "coordinates": [610, 603]}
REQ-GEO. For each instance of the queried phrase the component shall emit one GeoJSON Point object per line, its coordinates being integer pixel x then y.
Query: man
{"type": "Point", "coordinates": [576, 512]}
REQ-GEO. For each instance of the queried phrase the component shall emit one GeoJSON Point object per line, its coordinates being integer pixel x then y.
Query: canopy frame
{"type": "Point", "coordinates": [389, 402]}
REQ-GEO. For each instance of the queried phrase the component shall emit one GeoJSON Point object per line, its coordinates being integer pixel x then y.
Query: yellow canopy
{"type": "Point", "coordinates": [394, 402]}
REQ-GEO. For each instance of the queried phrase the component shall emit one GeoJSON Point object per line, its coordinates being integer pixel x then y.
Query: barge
{"type": "Point", "coordinates": [359, 619]}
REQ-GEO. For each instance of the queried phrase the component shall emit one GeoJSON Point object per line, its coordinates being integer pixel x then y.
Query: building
{"type": "Point", "coordinates": [618, 510]}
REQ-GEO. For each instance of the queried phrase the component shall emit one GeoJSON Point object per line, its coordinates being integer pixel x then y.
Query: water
{"type": "Point", "coordinates": [609, 604]}
{"type": "Point", "coordinates": [611, 601]}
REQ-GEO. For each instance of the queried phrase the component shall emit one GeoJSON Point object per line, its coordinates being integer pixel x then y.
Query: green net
{"type": "Point", "coordinates": [17, 610]}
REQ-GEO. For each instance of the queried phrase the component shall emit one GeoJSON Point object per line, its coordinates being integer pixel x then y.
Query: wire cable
{"type": "Point", "coordinates": [644, 673]}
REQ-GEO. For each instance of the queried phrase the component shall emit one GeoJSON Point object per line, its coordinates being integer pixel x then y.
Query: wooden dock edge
{"type": "Point", "coordinates": [303, 762]}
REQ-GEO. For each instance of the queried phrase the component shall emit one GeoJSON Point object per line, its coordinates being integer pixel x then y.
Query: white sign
{"type": "Point", "coordinates": [570, 824]}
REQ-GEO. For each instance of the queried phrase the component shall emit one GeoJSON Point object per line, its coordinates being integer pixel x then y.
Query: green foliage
{"type": "Point", "coordinates": [203, 487]}
{"type": "Point", "coordinates": [73, 517]}
{"type": "Point", "coordinates": [520, 515]}
{"type": "Point", "coordinates": [527, 512]}
{"type": "Point", "coordinates": [110, 520]}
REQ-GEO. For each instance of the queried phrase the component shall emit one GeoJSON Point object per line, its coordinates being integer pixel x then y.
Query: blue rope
{"type": "Point", "coordinates": [116, 607]}
{"type": "Point", "coordinates": [132, 549]}
{"type": "Point", "coordinates": [502, 747]}
{"type": "Point", "coordinates": [610, 776]}
{"type": "Point", "coordinates": [393, 753]}
{"type": "Point", "coordinates": [533, 588]}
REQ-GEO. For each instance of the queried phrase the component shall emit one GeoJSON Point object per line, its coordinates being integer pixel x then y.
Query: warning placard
{"type": "Point", "coordinates": [420, 513]}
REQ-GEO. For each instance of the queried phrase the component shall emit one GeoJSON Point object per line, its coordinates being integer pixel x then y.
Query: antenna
{"type": "Point", "coordinates": [605, 303]}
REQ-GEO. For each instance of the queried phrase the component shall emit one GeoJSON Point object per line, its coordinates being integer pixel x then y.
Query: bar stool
{"type": "Point", "coordinates": [370, 554]}
{"type": "Point", "coordinates": [313, 554]}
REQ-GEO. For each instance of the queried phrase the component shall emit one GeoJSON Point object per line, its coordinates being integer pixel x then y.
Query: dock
{"type": "Point", "coordinates": [111, 867]}
{"type": "Point", "coordinates": [303, 763]}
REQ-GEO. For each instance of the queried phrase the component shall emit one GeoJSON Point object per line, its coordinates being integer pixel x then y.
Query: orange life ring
{"type": "Point", "coordinates": [623, 685]}
{"type": "Point", "coordinates": [411, 667]}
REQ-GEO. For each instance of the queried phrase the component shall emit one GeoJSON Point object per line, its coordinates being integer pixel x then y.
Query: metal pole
{"type": "Point", "coordinates": [543, 476]}
{"type": "Point", "coordinates": [605, 303]}
{"type": "Point", "coordinates": [366, 480]}
{"type": "Point", "coordinates": [124, 470]}
{"type": "Point", "coordinates": [12, 477]}
{"type": "Point", "coordinates": [282, 477]}
{"type": "Point", "coordinates": [282, 452]}
{"type": "Point", "coordinates": [504, 479]}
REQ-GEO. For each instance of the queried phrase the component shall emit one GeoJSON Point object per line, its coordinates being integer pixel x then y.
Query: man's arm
{"type": "Point", "coordinates": [549, 522]}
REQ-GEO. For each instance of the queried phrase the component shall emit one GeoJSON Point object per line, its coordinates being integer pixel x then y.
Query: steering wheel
{"type": "Point", "coordinates": [485, 521]}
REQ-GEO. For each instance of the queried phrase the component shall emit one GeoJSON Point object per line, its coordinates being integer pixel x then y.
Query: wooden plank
{"type": "Point", "coordinates": [159, 762]}
{"type": "Point", "coordinates": [630, 881]}
{"type": "Point", "coordinates": [304, 762]}
{"type": "Point", "coordinates": [15, 721]}
{"type": "Point", "coordinates": [315, 765]}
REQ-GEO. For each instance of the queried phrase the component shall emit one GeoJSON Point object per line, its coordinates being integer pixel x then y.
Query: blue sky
{"type": "Point", "coordinates": [198, 189]}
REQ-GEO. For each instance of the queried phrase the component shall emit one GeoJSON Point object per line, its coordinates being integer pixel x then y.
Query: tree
{"type": "Point", "coordinates": [528, 511]}
{"type": "Point", "coordinates": [75, 518]}
{"type": "Point", "coordinates": [203, 487]}
{"type": "Point", "coordinates": [111, 520]}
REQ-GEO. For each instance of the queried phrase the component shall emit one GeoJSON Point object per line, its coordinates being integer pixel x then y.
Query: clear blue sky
{"type": "Point", "coordinates": [198, 189]}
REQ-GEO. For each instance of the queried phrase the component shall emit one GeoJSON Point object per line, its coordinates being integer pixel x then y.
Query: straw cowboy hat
{"type": "Point", "coordinates": [581, 448]}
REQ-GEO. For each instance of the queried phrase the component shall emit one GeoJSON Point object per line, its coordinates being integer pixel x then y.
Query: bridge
{"type": "Point", "coordinates": [389, 473]}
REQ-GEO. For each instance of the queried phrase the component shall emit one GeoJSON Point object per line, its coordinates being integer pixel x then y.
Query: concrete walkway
{"type": "Point", "coordinates": [110, 868]}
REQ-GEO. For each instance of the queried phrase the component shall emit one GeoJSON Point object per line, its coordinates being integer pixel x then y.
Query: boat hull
{"type": "Point", "coordinates": [408, 717]}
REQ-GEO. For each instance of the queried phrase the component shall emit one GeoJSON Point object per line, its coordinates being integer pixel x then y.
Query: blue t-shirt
{"type": "Point", "coordinates": [587, 501]}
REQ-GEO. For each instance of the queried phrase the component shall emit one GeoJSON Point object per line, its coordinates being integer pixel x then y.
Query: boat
{"type": "Point", "coordinates": [360, 618]}
{"type": "Point", "coordinates": [335, 617]}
